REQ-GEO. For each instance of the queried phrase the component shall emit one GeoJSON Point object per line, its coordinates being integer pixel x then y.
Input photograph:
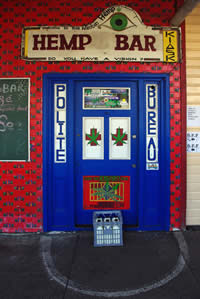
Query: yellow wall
{"type": "Point", "coordinates": [193, 98]}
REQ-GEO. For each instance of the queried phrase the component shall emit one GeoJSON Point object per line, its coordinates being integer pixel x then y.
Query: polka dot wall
{"type": "Point", "coordinates": [21, 206]}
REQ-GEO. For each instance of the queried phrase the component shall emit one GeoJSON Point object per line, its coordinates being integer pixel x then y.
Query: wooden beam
{"type": "Point", "coordinates": [183, 12]}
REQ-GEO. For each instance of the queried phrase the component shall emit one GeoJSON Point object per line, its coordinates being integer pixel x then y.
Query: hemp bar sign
{"type": "Point", "coordinates": [118, 34]}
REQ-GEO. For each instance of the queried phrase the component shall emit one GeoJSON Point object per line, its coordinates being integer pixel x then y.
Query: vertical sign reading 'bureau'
{"type": "Point", "coordinates": [60, 103]}
{"type": "Point", "coordinates": [152, 162]}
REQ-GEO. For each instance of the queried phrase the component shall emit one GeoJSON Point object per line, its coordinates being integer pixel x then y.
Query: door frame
{"type": "Point", "coordinates": [144, 221]}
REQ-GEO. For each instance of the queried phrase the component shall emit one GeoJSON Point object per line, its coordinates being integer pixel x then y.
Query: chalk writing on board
{"type": "Point", "coordinates": [19, 87]}
{"type": "Point", "coordinates": [5, 124]}
{"type": "Point", "coordinates": [14, 119]}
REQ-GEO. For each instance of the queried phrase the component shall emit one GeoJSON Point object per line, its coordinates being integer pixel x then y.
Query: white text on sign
{"type": "Point", "coordinates": [60, 123]}
{"type": "Point", "coordinates": [152, 127]}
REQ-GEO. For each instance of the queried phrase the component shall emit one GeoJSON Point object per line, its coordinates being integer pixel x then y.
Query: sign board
{"type": "Point", "coordinates": [106, 192]}
{"type": "Point", "coordinates": [60, 106]}
{"type": "Point", "coordinates": [152, 127]}
{"type": "Point", "coordinates": [14, 119]}
{"type": "Point", "coordinates": [193, 116]}
{"type": "Point", "coordinates": [193, 142]}
{"type": "Point", "coordinates": [118, 34]}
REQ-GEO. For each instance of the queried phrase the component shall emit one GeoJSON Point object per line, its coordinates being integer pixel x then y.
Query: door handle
{"type": "Point", "coordinates": [134, 136]}
{"type": "Point", "coordinates": [133, 165]}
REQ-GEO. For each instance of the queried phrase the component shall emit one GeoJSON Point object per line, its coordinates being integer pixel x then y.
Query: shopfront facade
{"type": "Point", "coordinates": [105, 115]}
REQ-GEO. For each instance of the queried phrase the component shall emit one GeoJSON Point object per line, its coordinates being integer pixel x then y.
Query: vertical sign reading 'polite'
{"type": "Point", "coordinates": [60, 103]}
{"type": "Point", "coordinates": [152, 127]}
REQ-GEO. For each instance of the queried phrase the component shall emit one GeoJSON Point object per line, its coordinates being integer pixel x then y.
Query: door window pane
{"type": "Point", "coordinates": [106, 98]}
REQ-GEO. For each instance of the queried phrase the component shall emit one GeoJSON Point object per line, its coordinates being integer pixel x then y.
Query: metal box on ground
{"type": "Point", "coordinates": [107, 228]}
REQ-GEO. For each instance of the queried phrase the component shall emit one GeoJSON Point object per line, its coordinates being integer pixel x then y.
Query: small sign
{"type": "Point", "coordinates": [170, 45]}
{"type": "Point", "coordinates": [152, 127]}
{"type": "Point", "coordinates": [193, 116]}
{"type": "Point", "coordinates": [193, 142]}
{"type": "Point", "coordinates": [60, 123]}
{"type": "Point", "coordinates": [106, 192]}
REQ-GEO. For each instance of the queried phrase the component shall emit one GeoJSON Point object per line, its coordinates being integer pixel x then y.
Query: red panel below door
{"type": "Point", "coordinates": [106, 192]}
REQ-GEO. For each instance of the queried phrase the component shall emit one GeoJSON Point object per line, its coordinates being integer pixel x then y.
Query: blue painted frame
{"type": "Point", "coordinates": [164, 184]}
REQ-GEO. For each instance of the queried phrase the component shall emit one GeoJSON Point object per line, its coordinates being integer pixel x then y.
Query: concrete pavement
{"type": "Point", "coordinates": [150, 265]}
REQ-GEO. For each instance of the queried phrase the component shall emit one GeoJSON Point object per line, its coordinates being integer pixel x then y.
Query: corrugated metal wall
{"type": "Point", "coordinates": [193, 98]}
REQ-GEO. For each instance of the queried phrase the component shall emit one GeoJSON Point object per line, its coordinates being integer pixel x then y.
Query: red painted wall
{"type": "Point", "coordinates": [21, 183]}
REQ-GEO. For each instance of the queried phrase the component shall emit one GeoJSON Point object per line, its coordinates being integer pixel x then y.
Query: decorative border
{"type": "Point", "coordinates": [183, 160]}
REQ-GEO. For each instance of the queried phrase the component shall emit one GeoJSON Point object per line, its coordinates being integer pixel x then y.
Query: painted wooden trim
{"type": "Point", "coordinates": [183, 131]}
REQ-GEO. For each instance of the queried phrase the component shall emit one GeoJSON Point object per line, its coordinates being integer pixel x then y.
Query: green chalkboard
{"type": "Point", "coordinates": [14, 119]}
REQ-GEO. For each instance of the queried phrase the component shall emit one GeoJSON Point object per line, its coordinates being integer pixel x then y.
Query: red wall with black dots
{"type": "Point", "coordinates": [21, 182]}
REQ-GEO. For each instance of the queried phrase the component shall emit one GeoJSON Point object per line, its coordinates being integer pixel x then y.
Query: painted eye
{"type": "Point", "coordinates": [119, 21]}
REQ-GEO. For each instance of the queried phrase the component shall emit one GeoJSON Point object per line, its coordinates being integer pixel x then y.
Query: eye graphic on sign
{"type": "Point", "coordinates": [119, 21]}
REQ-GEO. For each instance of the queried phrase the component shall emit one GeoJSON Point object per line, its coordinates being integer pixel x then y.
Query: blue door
{"type": "Point", "coordinates": [106, 146]}
{"type": "Point", "coordinates": [106, 122]}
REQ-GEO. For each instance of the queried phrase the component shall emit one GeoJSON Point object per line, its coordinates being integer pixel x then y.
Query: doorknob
{"type": "Point", "coordinates": [133, 165]}
{"type": "Point", "coordinates": [78, 135]}
{"type": "Point", "coordinates": [133, 136]}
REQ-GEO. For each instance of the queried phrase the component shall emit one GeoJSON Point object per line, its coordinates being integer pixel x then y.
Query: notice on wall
{"type": "Point", "coordinates": [193, 116]}
{"type": "Point", "coordinates": [193, 142]}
